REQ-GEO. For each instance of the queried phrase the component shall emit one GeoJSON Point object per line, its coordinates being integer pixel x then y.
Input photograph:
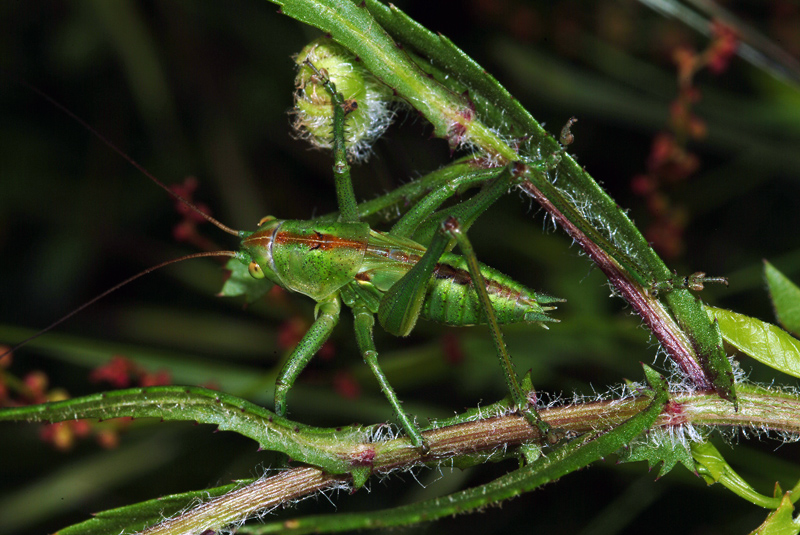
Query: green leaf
{"type": "Point", "coordinates": [785, 297]}
{"type": "Point", "coordinates": [715, 469]}
{"type": "Point", "coordinates": [659, 448]}
{"type": "Point", "coordinates": [136, 517]}
{"type": "Point", "coordinates": [780, 521]}
{"type": "Point", "coordinates": [241, 282]}
{"type": "Point", "coordinates": [767, 343]}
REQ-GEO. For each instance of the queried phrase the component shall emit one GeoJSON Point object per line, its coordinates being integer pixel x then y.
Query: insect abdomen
{"type": "Point", "coordinates": [452, 300]}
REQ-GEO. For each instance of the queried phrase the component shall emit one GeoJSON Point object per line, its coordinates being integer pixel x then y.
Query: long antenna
{"type": "Point", "coordinates": [124, 155]}
{"type": "Point", "coordinates": [146, 173]}
{"type": "Point", "coordinates": [92, 301]}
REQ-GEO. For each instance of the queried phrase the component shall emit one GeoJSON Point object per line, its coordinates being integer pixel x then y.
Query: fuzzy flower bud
{"type": "Point", "coordinates": [313, 112]}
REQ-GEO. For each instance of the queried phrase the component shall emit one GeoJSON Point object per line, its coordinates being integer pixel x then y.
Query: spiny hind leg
{"type": "Point", "coordinates": [364, 321]}
{"type": "Point", "coordinates": [402, 303]}
{"type": "Point", "coordinates": [451, 228]}
{"type": "Point", "coordinates": [348, 208]}
{"type": "Point", "coordinates": [311, 342]}
{"type": "Point", "coordinates": [422, 210]}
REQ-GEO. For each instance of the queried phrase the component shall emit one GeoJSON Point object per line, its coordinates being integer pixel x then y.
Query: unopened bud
{"type": "Point", "coordinates": [368, 100]}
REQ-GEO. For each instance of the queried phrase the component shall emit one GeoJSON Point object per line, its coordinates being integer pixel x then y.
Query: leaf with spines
{"type": "Point", "coordinates": [449, 63]}
{"type": "Point", "coordinates": [781, 521]}
{"type": "Point", "coordinates": [659, 449]}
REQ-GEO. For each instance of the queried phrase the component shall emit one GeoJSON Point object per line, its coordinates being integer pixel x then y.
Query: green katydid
{"type": "Point", "coordinates": [388, 274]}
{"type": "Point", "coordinates": [383, 273]}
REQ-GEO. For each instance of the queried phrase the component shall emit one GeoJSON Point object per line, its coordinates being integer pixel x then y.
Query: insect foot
{"type": "Point", "coordinates": [367, 101]}
{"type": "Point", "coordinates": [695, 282]}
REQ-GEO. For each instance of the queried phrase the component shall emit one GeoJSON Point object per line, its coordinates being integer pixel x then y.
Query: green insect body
{"type": "Point", "coordinates": [389, 274]}
{"type": "Point", "coordinates": [314, 259]}
{"type": "Point", "coordinates": [322, 260]}
{"type": "Point", "coordinates": [379, 273]}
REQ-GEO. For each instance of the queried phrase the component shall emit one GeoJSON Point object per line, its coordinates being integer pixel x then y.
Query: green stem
{"type": "Point", "coordinates": [557, 464]}
{"type": "Point", "coordinates": [760, 409]}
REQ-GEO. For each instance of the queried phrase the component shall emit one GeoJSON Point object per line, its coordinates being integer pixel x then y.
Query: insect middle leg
{"type": "Point", "coordinates": [363, 323]}
{"type": "Point", "coordinates": [423, 226]}
{"type": "Point", "coordinates": [407, 225]}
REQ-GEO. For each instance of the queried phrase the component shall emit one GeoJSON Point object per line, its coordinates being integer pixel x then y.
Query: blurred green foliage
{"type": "Point", "coordinates": [203, 89]}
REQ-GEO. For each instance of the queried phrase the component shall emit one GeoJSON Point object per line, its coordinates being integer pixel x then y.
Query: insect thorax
{"type": "Point", "coordinates": [314, 259]}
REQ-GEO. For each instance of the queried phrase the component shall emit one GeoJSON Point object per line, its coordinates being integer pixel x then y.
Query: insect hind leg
{"type": "Point", "coordinates": [451, 228]}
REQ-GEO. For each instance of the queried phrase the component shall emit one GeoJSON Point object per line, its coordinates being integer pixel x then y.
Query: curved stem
{"type": "Point", "coordinates": [759, 408]}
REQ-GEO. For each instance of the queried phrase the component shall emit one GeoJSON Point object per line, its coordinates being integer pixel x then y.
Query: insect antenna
{"type": "Point", "coordinates": [153, 179]}
{"type": "Point", "coordinates": [114, 288]}
{"type": "Point", "coordinates": [127, 158]}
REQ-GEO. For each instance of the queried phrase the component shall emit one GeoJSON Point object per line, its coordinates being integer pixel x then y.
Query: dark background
{"type": "Point", "coordinates": [204, 89]}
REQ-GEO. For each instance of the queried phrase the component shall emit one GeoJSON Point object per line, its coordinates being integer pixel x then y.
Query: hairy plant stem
{"type": "Point", "coordinates": [759, 409]}
{"type": "Point", "coordinates": [651, 310]}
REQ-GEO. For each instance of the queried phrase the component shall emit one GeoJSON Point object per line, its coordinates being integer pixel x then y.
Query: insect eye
{"type": "Point", "coordinates": [255, 270]}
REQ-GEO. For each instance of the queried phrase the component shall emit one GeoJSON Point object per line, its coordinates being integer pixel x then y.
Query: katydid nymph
{"type": "Point", "coordinates": [387, 274]}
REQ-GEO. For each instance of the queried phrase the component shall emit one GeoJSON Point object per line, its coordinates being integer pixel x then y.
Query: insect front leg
{"type": "Point", "coordinates": [348, 207]}
{"type": "Point", "coordinates": [318, 334]}
{"type": "Point", "coordinates": [363, 323]}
